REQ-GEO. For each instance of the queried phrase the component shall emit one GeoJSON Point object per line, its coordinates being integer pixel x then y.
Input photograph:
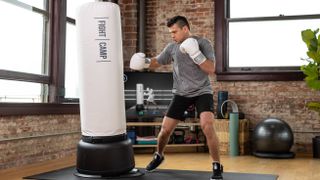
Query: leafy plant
{"type": "Point", "coordinates": [312, 69]}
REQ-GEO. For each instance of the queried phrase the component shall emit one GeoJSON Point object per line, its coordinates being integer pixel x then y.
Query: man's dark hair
{"type": "Point", "coordinates": [179, 20]}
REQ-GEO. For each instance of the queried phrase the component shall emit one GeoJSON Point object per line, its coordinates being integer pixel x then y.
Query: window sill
{"type": "Point", "coordinates": [260, 76]}
{"type": "Point", "coordinates": [9, 109]}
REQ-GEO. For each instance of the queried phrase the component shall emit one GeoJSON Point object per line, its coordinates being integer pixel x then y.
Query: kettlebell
{"type": "Point", "coordinates": [178, 136]}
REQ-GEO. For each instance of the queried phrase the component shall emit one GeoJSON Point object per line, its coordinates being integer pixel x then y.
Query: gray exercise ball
{"type": "Point", "coordinates": [272, 136]}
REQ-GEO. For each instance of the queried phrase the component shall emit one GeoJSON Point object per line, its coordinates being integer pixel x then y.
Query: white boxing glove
{"type": "Point", "coordinates": [191, 46]}
{"type": "Point", "coordinates": [139, 61]}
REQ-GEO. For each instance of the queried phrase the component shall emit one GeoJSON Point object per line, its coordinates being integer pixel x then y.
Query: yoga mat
{"type": "Point", "coordinates": [234, 134]}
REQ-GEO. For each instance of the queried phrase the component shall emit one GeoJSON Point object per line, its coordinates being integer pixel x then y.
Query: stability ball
{"type": "Point", "coordinates": [273, 138]}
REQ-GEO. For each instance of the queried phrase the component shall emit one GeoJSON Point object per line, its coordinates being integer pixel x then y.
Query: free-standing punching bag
{"type": "Point", "coordinates": [104, 149]}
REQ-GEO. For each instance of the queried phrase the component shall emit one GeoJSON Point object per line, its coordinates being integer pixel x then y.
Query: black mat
{"type": "Point", "coordinates": [161, 174]}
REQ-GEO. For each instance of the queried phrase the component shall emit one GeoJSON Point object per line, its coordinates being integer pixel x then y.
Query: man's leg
{"type": "Point", "coordinates": [204, 105]}
{"type": "Point", "coordinates": [168, 125]}
{"type": "Point", "coordinates": [175, 113]}
{"type": "Point", "coordinates": [206, 121]}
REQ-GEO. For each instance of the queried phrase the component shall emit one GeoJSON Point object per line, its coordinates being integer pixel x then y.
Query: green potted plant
{"type": "Point", "coordinates": [312, 68]}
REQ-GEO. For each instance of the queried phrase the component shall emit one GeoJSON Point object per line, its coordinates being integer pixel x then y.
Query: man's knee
{"type": "Point", "coordinates": [166, 132]}
{"type": "Point", "coordinates": [206, 121]}
{"type": "Point", "coordinates": [207, 128]}
{"type": "Point", "coordinates": [168, 126]}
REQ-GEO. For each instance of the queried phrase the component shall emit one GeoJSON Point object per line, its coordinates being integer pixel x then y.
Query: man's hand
{"type": "Point", "coordinates": [139, 61]}
{"type": "Point", "coordinates": [191, 46]}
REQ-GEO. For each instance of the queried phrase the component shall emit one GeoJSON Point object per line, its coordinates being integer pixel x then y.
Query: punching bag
{"type": "Point", "coordinates": [104, 148]}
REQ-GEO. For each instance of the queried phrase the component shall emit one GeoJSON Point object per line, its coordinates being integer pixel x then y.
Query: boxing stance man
{"type": "Point", "coordinates": [193, 60]}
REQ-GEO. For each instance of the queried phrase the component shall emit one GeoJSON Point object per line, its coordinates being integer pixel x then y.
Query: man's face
{"type": "Point", "coordinates": [179, 34]}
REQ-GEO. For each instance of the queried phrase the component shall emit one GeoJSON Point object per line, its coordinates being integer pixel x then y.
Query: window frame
{"type": "Point", "coordinates": [224, 73]}
{"type": "Point", "coordinates": [55, 40]}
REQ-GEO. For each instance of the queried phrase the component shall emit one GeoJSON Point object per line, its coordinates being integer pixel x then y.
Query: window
{"type": "Point", "coordinates": [11, 91]}
{"type": "Point", "coordinates": [261, 40]}
{"type": "Point", "coordinates": [24, 51]}
{"type": "Point", "coordinates": [32, 59]}
{"type": "Point", "coordinates": [71, 80]}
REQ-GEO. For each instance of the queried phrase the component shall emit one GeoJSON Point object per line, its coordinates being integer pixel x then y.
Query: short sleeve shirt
{"type": "Point", "coordinates": [188, 79]}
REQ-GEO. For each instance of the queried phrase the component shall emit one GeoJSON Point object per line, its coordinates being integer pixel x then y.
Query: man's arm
{"type": "Point", "coordinates": [139, 62]}
{"type": "Point", "coordinates": [191, 47]}
{"type": "Point", "coordinates": [154, 64]}
{"type": "Point", "coordinates": [208, 66]}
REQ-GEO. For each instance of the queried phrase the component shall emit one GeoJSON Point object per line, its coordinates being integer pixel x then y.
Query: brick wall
{"type": "Point", "coordinates": [30, 139]}
{"type": "Point", "coordinates": [129, 28]}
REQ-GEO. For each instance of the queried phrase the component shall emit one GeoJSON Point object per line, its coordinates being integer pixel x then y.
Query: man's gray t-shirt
{"type": "Point", "coordinates": [188, 79]}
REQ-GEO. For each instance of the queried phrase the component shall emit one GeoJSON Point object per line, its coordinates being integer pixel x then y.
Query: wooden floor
{"type": "Point", "coordinates": [302, 168]}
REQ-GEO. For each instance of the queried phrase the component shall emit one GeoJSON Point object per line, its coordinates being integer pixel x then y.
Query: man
{"type": "Point", "coordinates": [193, 60]}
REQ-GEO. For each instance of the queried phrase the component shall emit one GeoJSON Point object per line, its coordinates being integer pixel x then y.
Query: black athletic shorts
{"type": "Point", "coordinates": [180, 104]}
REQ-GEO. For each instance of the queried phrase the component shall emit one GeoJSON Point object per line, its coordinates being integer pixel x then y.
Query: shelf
{"type": "Point", "coordinates": [152, 124]}
{"type": "Point", "coordinates": [169, 145]}
{"type": "Point", "coordinates": [180, 123]}
{"type": "Point", "coordinates": [158, 124]}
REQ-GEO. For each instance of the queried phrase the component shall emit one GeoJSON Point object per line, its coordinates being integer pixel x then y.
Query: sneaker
{"type": "Point", "coordinates": [217, 171]}
{"type": "Point", "coordinates": [156, 161]}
